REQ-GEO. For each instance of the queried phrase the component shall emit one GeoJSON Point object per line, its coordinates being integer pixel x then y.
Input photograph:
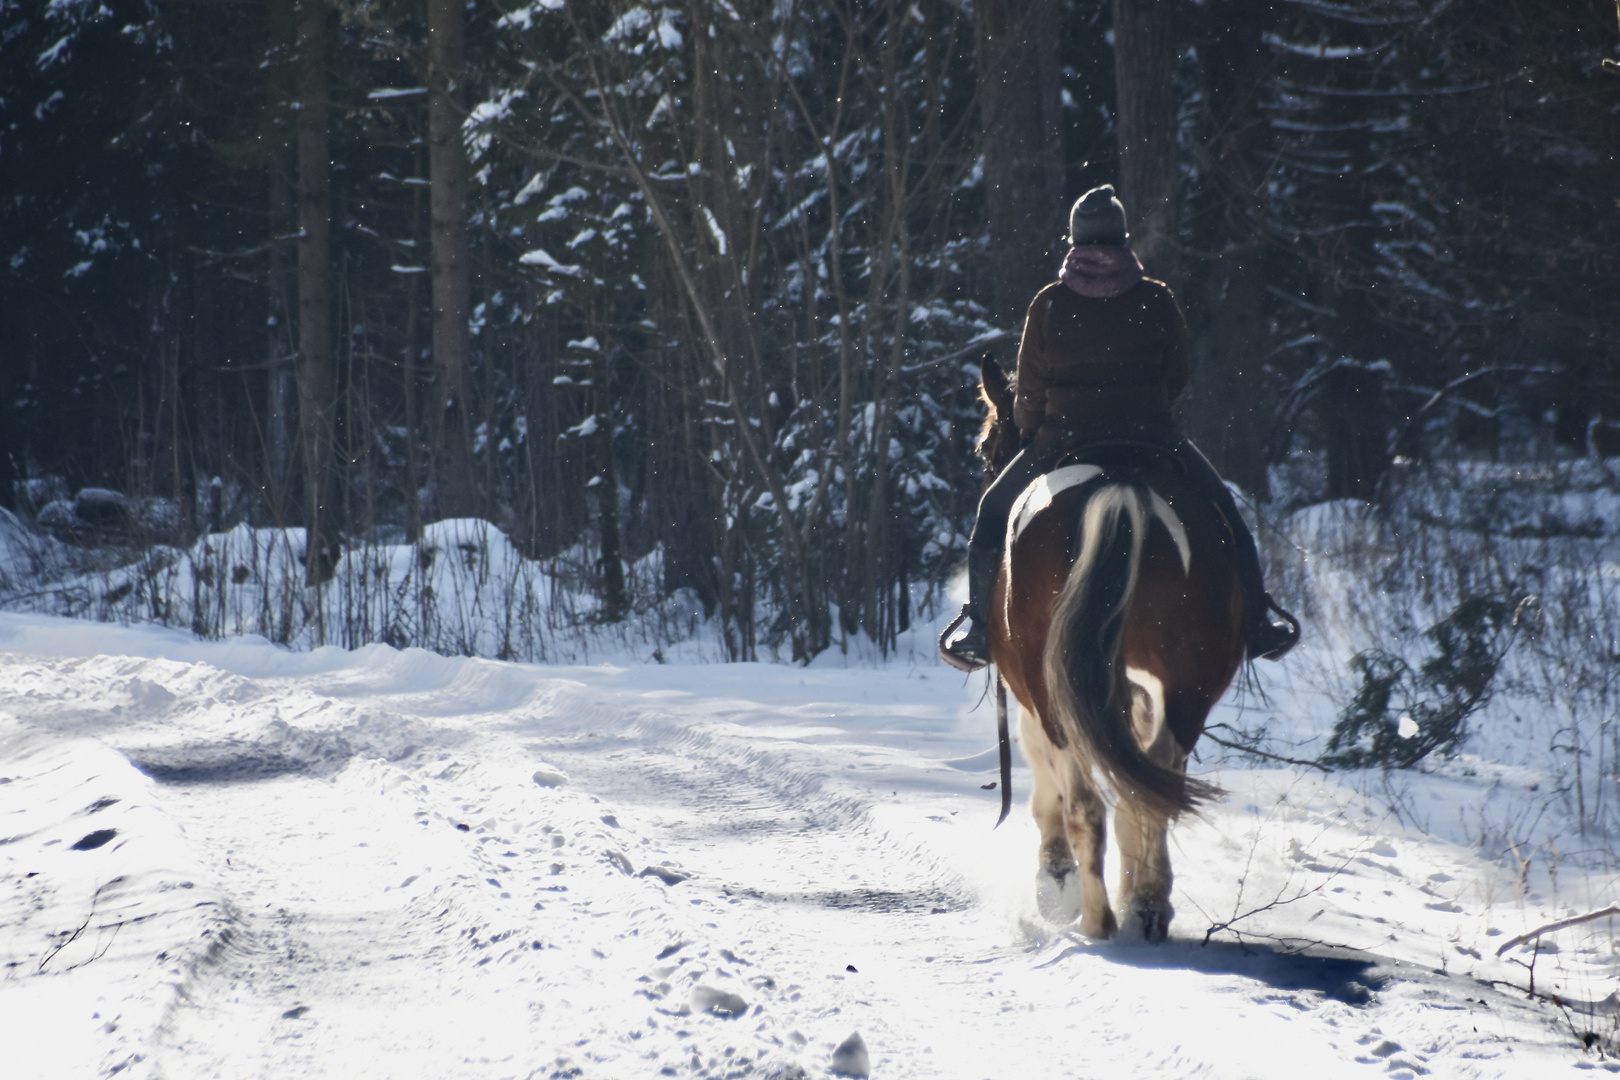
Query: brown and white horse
{"type": "Point", "coordinates": [1117, 623]}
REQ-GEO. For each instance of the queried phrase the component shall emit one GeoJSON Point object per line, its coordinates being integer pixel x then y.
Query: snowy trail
{"type": "Point", "coordinates": [386, 864]}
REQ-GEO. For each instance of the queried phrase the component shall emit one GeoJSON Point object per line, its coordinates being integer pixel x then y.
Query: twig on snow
{"type": "Point", "coordinates": [1277, 903]}
{"type": "Point", "coordinates": [1561, 924]}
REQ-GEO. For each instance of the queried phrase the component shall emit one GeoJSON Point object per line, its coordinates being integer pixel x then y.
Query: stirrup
{"type": "Point", "coordinates": [966, 652]}
{"type": "Point", "coordinates": [1270, 639]}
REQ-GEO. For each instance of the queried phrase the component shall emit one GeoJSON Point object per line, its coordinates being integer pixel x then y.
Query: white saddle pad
{"type": "Point", "coordinates": [1043, 489]}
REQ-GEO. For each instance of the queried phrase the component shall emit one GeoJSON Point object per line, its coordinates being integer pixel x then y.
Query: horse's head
{"type": "Point", "coordinates": [998, 438]}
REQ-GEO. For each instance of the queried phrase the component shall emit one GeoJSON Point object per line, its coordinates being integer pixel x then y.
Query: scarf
{"type": "Point", "coordinates": [1100, 271]}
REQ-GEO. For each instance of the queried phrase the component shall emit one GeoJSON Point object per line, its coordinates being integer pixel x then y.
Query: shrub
{"type": "Point", "coordinates": [1399, 716]}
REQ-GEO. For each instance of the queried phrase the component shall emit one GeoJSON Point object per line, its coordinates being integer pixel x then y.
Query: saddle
{"type": "Point", "coordinates": [1097, 462]}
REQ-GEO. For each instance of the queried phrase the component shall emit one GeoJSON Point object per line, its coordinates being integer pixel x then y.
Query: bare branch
{"type": "Point", "coordinates": [1258, 752]}
{"type": "Point", "coordinates": [1561, 924]}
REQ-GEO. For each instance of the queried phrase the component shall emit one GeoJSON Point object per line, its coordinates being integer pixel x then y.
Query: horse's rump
{"type": "Point", "coordinates": [1114, 570]}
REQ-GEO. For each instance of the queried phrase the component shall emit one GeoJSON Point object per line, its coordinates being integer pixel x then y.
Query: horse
{"type": "Point", "coordinates": [1116, 621]}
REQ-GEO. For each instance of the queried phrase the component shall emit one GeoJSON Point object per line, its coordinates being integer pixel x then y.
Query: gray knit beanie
{"type": "Point", "coordinates": [1097, 218]}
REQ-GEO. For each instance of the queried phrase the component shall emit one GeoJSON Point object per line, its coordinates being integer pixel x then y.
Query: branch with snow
{"type": "Point", "coordinates": [1561, 924]}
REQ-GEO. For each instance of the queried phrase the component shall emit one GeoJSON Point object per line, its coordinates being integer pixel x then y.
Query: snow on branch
{"type": "Point", "coordinates": [1561, 924]}
{"type": "Point", "coordinates": [1322, 50]}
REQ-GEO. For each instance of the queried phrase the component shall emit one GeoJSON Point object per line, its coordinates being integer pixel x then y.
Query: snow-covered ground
{"type": "Point", "coordinates": [224, 859]}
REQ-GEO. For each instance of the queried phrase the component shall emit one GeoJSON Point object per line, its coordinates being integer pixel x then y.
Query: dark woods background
{"type": "Point", "coordinates": [701, 286]}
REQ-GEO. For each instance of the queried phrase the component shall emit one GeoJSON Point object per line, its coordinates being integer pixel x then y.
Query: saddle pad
{"type": "Point", "coordinates": [1043, 489]}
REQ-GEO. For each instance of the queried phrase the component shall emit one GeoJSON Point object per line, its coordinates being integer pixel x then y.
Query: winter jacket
{"type": "Point", "coordinates": [1092, 370]}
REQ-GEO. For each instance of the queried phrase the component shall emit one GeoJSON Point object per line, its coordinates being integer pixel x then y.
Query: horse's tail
{"type": "Point", "coordinates": [1087, 692]}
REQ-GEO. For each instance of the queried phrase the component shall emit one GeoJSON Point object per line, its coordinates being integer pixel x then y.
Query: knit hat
{"type": "Point", "coordinates": [1097, 218]}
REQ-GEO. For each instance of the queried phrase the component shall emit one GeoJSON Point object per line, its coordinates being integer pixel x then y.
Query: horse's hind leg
{"type": "Point", "coordinates": [1057, 886]}
{"type": "Point", "coordinates": [1088, 837]}
{"type": "Point", "coordinates": [1069, 813]}
{"type": "Point", "coordinates": [1144, 850]}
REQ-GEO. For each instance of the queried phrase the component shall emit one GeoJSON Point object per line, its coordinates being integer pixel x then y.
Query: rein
{"type": "Point", "coordinates": [1004, 748]}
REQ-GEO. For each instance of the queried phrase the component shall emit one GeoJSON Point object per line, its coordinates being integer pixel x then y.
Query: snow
{"type": "Point", "coordinates": [523, 18]}
{"type": "Point", "coordinates": [585, 428]}
{"type": "Point", "coordinates": [227, 859]}
{"type": "Point", "coordinates": [715, 230]}
{"type": "Point", "coordinates": [539, 257]}
{"type": "Point", "coordinates": [461, 588]}
{"type": "Point", "coordinates": [54, 53]}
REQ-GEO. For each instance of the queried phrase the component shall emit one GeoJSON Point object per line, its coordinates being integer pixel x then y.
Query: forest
{"type": "Point", "coordinates": [689, 299]}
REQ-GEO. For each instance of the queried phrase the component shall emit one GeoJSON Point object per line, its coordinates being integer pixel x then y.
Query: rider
{"type": "Point", "coordinates": [1102, 359]}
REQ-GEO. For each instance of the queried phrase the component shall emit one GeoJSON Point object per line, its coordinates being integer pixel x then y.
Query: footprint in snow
{"type": "Point", "coordinates": [667, 874]}
{"type": "Point", "coordinates": [91, 841]}
{"type": "Point", "coordinates": [723, 1003]}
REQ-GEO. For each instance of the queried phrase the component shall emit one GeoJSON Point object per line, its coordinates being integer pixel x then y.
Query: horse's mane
{"type": "Point", "coordinates": [992, 419]}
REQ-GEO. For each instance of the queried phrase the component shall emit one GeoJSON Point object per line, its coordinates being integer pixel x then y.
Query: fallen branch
{"type": "Point", "coordinates": [1258, 752]}
{"type": "Point", "coordinates": [70, 940]}
{"type": "Point", "coordinates": [1574, 920]}
{"type": "Point", "coordinates": [1277, 903]}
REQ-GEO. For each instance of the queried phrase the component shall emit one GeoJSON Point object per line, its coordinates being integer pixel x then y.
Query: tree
{"type": "Point", "coordinates": [1015, 52]}
{"type": "Point", "coordinates": [317, 404]}
{"type": "Point", "coordinates": [447, 170]}
{"type": "Point", "coordinates": [790, 176]}
{"type": "Point", "coordinates": [281, 279]}
{"type": "Point", "coordinates": [1230, 401]}
{"type": "Point", "coordinates": [1149, 173]}
{"type": "Point", "coordinates": [789, 228]}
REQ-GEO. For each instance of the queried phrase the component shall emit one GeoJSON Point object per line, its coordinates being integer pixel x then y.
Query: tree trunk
{"type": "Point", "coordinates": [316, 407]}
{"type": "Point", "coordinates": [8, 469]}
{"type": "Point", "coordinates": [1144, 60]}
{"type": "Point", "coordinates": [408, 369]}
{"type": "Point", "coordinates": [606, 483]}
{"type": "Point", "coordinates": [1015, 49]}
{"type": "Point", "coordinates": [447, 174]}
{"type": "Point", "coordinates": [1228, 412]}
{"type": "Point", "coordinates": [281, 347]}
{"type": "Point", "coordinates": [1352, 403]}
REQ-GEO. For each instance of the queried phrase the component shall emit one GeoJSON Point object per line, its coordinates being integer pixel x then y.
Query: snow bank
{"type": "Point", "coordinates": [462, 589]}
{"type": "Point", "coordinates": [111, 912]}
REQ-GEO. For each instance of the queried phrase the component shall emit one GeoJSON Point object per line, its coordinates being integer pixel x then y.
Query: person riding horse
{"type": "Point", "coordinates": [1103, 358]}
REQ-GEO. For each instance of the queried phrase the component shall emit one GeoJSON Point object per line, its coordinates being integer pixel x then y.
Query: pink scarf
{"type": "Point", "coordinates": [1100, 271]}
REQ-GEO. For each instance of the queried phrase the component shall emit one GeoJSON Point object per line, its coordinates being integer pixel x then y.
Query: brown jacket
{"type": "Point", "coordinates": [1094, 369]}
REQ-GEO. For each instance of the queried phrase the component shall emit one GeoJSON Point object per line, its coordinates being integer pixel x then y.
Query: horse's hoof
{"type": "Point", "coordinates": [1099, 929]}
{"type": "Point", "coordinates": [1057, 893]}
{"type": "Point", "coordinates": [1148, 922]}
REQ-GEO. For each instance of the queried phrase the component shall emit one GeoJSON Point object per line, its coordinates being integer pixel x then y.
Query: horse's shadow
{"type": "Point", "coordinates": [1342, 974]}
